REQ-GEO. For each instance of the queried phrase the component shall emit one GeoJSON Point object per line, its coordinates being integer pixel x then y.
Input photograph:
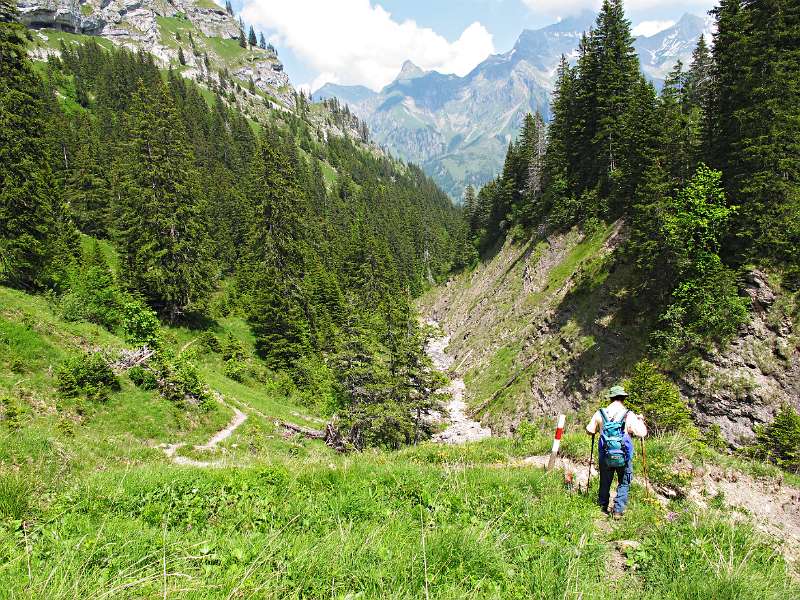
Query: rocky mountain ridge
{"type": "Point", "coordinates": [458, 128]}
{"type": "Point", "coordinates": [156, 26]}
{"type": "Point", "coordinates": [196, 38]}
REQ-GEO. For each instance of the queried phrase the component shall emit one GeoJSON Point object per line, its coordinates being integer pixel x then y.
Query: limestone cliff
{"type": "Point", "coordinates": [162, 27]}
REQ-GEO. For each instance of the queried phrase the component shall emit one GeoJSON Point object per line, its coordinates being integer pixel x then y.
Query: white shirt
{"type": "Point", "coordinates": [634, 424]}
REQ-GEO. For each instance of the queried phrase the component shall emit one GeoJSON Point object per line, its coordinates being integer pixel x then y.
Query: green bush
{"type": "Point", "coordinates": [86, 376]}
{"type": "Point", "coordinates": [210, 342]}
{"type": "Point", "coordinates": [659, 400]}
{"type": "Point", "coordinates": [780, 440]}
{"type": "Point", "coordinates": [93, 294]}
{"type": "Point", "coordinates": [233, 349]}
{"type": "Point", "coordinates": [11, 412]}
{"type": "Point", "coordinates": [140, 324]}
{"type": "Point", "coordinates": [236, 369]}
{"type": "Point", "coordinates": [181, 382]}
{"type": "Point", "coordinates": [143, 378]}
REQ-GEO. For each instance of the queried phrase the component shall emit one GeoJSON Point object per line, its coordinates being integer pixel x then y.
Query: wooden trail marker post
{"type": "Point", "coordinates": [556, 442]}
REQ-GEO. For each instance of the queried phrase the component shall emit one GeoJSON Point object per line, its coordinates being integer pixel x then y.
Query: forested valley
{"type": "Point", "coordinates": [212, 214]}
{"type": "Point", "coordinates": [236, 336]}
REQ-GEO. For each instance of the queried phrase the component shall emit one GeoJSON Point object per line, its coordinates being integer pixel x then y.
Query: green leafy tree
{"type": "Point", "coordinates": [658, 400]}
{"type": "Point", "coordinates": [705, 308]}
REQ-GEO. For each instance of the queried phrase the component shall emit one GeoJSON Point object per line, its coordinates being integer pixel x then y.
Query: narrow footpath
{"type": "Point", "coordinates": [461, 428]}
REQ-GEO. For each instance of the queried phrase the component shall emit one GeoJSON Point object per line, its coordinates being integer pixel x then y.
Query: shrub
{"type": "Point", "coordinates": [780, 440]}
{"type": "Point", "coordinates": [181, 382]}
{"type": "Point", "coordinates": [659, 400]}
{"type": "Point", "coordinates": [86, 376]}
{"type": "Point", "coordinates": [210, 342]}
{"type": "Point", "coordinates": [233, 349]}
{"type": "Point", "coordinates": [143, 378]}
{"type": "Point", "coordinates": [93, 295]}
{"type": "Point", "coordinates": [236, 369]}
{"type": "Point", "coordinates": [12, 412]}
{"type": "Point", "coordinates": [140, 324]}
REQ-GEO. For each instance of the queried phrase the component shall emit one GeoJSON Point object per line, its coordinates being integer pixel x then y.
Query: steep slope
{"type": "Point", "coordinates": [199, 31]}
{"type": "Point", "coordinates": [542, 328]}
{"type": "Point", "coordinates": [458, 128]}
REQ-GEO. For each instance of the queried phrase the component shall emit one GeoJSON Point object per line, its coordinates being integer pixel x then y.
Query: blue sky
{"type": "Point", "coordinates": [365, 42]}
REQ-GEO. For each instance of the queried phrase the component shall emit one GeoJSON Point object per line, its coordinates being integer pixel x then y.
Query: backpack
{"type": "Point", "coordinates": [613, 449]}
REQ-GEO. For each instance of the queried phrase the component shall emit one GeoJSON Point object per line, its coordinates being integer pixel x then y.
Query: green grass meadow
{"type": "Point", "coordinates": [90, 507]}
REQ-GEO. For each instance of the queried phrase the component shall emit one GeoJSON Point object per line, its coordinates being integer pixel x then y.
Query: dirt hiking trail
{"type": "Point", "coordinates": [171, 450]}
{"type": "Point", "coordinates": [461, 428]}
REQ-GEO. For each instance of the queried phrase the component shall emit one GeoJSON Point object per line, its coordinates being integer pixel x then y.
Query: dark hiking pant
{"type": "Point", "coordinates": [624, 476]}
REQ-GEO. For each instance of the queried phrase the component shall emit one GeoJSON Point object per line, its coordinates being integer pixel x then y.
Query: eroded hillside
{"type": "Point", "coordinates": [543, 327]}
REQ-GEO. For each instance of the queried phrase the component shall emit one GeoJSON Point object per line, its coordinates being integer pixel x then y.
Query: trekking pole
{"type": "Point", "coordinates": [591, 460]}
{"type": "Point", "coordinates": [644, 465]}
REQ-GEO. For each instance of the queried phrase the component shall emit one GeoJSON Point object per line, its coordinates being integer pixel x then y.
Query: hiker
{"type": "Point", "coordinates": [616, 424]}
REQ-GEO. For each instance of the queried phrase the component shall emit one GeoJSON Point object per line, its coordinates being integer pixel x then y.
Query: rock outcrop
{"type": "Point", "coordinates": [138, 24]}
{"type": "Point", "coordinates": [745, 385]}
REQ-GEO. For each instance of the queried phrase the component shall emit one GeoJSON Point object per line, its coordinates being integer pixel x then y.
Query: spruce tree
{"type": "Point", "coordinates": [242, 38]}
{"type": "Point", "coordinates": [161, 230]}
{"type": "Point", "coordinates": [262, 42]}
{"type": "Point", "coordinates": [37, 239]}
{"type": "Point", "coordinates": [278, 321]}
{"type": "Point", "coordinates": [251, 38]}
{"type": "Point", "coordinates": [181, 57]}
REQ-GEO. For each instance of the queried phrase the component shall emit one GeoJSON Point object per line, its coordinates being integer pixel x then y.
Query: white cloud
{"type": "Point", "coordinates": [356, 42]}
{"type": "Point", "coordinates": [566, 8]}
{"type": "Point", "coordinates": [648, 28]}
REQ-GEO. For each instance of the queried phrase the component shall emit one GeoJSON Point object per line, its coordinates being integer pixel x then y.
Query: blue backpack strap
{"type": "Point", "coordinates": [603, 416]}
{"type": "Point", "coordinates": [624, 417]}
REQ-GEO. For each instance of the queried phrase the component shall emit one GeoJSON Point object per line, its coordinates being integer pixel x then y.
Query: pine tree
{"type": "Point", "coordinates": [161, 233]}
{"type": "Point", "coordinates": [87, 188]}
{"type": "Point", "coordinates": [242, 38]}
{"type": "Point", "coordinates": [699, 80]}
{"type": "Point", "coordinates": [619, 73]}
{"type": "Point", "coordinates": [37, 239]}
{"type": "Point", "coordinates": [228, 7]}
{"type": "Point", "coordinates": [278, 321]}
{"type": "Point", "coordinates": [181, 57]}
{"type": "Point", "coordinates": [251, 38]}
{"type": "Point", "coordinates": [262, 42]}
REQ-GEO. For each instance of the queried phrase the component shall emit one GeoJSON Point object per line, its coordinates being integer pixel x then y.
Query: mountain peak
{"type": "Point", "coordinates": [409, 71]}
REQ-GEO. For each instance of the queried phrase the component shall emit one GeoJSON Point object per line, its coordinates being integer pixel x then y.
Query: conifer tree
{"type": "Point", "coordinates": [242, 38]}
{"type": "Point", "coordinates": [87, 188]}
{"type": "Point", "coordinates": [251, 37]}
{"type": "Point", "coordinates": [278, 321]}
{"type": "Point", "coordinates": [37, 238]}
{"type": "Point", "coordinates": [181, 57]}
{"type": "Point", "coordinates": [262, 42]}
{"type": "Point", "coordinates": [699, 80]}
{"type": "Point", "coordinates": [228, 7]}
{"type": "Point", "coordinates": [161, 231]}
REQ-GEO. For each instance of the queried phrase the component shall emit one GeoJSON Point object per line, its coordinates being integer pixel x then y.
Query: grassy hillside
{"type": "Point", "coordinates": [90, 506]}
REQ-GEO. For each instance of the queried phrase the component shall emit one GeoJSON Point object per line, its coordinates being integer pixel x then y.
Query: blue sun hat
{"type": "Point", "coordinates": [617, 392]}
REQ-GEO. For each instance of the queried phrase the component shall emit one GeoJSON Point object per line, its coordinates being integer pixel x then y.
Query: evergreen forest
{"type": "Point", "coordinates": [705, 173]}
{"type": "Point", "coordinates": [212, 214]}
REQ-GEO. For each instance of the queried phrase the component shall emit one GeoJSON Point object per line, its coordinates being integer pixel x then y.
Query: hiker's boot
{"type": "Point", "coordinates": [617, 516]}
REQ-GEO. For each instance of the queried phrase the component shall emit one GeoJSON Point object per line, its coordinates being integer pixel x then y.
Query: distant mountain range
{"type": "Point", "coordinates": [458, 128]}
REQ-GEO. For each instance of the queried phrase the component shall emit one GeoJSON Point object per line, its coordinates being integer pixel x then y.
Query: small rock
{"type": "Point", "coordinates": [626, 545]}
